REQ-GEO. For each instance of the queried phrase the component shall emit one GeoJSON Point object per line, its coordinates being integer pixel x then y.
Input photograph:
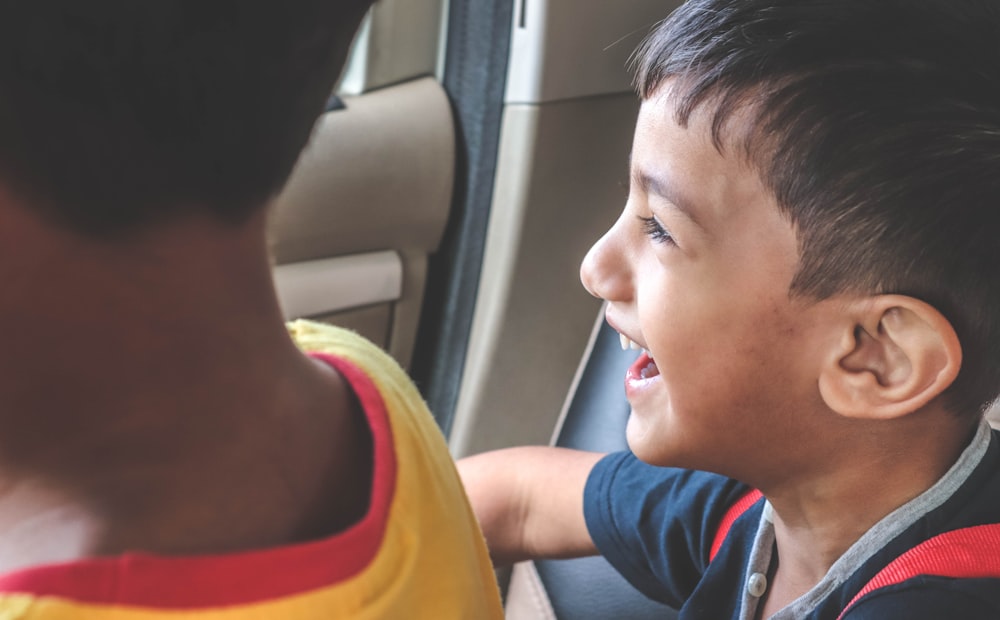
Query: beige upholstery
{"type": "Point", "coordinates": [526, 596]}
{"type": "Point", "coordinates": [377, 176]}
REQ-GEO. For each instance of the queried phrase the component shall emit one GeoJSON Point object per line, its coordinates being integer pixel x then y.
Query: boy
{"type": "Point", "coordinates": [808, 257]}
{"type": "Point", "coordinates": [165, 449]}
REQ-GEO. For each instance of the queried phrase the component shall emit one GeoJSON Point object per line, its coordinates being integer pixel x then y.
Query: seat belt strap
{"type": "Point", "coordinates": [969, 553]}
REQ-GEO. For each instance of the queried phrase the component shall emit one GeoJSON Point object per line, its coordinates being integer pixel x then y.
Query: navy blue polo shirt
{"type": "Point", "coordinates": [656, 526]}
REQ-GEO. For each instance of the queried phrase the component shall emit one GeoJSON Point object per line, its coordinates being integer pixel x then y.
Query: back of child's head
{"type": "Point", "coordinates": [116, 114]}
{"type": "Point", "coordinates": [876, 125]}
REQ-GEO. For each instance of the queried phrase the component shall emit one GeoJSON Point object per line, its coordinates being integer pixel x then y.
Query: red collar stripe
{"type": "Point", "coordinates": [735, 511]}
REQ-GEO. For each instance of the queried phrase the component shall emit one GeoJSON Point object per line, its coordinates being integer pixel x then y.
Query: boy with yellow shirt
{"type": "Point", "coordinates": [166, 450]}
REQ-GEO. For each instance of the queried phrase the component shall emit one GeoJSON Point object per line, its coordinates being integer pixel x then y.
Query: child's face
{"type": "Point", "coordinates": [697, 271]}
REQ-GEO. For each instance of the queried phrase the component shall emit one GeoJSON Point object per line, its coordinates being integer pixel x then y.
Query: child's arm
{"type": "Point", "coordinates": [529, 501]}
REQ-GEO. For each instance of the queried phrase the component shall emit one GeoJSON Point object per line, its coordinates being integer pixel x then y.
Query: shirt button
{"type": "Point", "coordinates": [757, 585]}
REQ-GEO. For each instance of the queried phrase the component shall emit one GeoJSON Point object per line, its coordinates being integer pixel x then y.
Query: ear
{"type": "Point", "coordinates": [897, 354]}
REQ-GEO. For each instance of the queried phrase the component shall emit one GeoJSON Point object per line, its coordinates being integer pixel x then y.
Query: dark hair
{"type": "Point", "coordinates": [115, 114]}
{"type": "Point", "coordinates": [876, 125]}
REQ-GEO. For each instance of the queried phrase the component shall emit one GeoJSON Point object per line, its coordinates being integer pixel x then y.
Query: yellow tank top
{"type": "Point", "coordinates": [418, 552]}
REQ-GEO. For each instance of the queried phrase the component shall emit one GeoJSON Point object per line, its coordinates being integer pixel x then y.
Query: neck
{"type": "Point", "coordinates": [139, 375]}
{"type": "Point", "coordinates": [820, 514]}
{"type": "Point", "coordinates": [95, 332]}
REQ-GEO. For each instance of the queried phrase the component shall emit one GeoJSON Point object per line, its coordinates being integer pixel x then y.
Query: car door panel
{"type": "Point", "coordinates": [376, 177]}
{"type": "Point", "coordinates": [561, 181]}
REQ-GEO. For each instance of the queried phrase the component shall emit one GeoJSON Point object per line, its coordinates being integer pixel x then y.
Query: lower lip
{"type": "Point", "coordinates": [634, 381]}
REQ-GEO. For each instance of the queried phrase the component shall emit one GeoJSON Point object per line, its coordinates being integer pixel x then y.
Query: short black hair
{"type": "Point", "coordinates": [876, 125]}
{"type": "Point", "coordinates": [115, 114]}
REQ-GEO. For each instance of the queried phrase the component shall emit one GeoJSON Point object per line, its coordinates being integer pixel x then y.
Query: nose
{"type": "Point", "coordinates": [605, 271]}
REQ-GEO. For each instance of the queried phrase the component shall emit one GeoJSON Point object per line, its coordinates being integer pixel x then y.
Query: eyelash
{"type": "Point", "coordinates": [655, 231]}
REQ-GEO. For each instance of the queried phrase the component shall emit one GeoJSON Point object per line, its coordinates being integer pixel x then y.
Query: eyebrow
{"type": "Point", "coordinates": [659, 186]}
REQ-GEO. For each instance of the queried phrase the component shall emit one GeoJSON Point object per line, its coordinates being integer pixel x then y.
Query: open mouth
{"type": "Point", "coordinates": [644, 367]}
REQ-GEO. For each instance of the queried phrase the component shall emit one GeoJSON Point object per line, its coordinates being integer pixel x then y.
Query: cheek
{"type": "Point", "coordinates": [711, 355]}
{"type": "Point", "coordinates": [679, 331]}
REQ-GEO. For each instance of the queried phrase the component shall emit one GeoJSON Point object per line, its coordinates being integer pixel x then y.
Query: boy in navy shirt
{"type": "Point", "coordinates": [808, 257]}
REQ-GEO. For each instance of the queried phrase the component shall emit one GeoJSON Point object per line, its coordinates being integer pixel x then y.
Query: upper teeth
{"type": "Point", "coordinates": [628, 344]}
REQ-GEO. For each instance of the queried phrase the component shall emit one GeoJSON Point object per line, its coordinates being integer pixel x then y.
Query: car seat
{"type": "Point", "coordinates": [593, 419]}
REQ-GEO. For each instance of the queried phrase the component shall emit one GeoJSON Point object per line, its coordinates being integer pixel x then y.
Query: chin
{"type": "Point", "coordinates": [654, 447]}
{"type": "Point", "coordinates": [642, 441]}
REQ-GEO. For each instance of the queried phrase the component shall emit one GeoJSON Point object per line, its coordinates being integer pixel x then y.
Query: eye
{"type": "Point", "coordinates": [652, 227]}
